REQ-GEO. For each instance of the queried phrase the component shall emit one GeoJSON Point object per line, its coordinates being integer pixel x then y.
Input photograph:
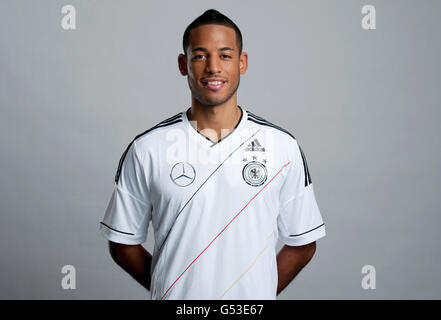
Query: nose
{"type": "Point", "coordinates": [213, 65]}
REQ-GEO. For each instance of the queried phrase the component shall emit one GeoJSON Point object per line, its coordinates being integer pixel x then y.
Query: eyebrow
{"type": "Point", "coordinates": [205, 50]}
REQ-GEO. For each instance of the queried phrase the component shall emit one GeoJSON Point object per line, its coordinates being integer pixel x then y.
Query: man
{"type": "Point", "coordinates": [219, 184]}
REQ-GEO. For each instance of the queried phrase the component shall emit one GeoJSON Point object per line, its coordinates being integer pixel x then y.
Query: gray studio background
{"type": "Point", "coordinates": [364, 104]}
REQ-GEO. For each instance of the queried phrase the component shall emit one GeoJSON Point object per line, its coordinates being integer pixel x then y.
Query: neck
{"type": "Point", "coordinates": [215, 122]}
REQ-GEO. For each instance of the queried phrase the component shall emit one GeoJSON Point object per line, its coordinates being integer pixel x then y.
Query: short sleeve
{"type": "Point", "coordinates": [299, 221]}
{"type": "Point", "coordinates": [128, 213]}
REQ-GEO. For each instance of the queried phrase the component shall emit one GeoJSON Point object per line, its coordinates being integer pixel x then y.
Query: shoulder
{"type": "Point", "coordinates": [160, 128]}
{"type": "Point", "coordinates": [285, 141]}
{"type": "Point", "coordinates": [153, 137]}
{"type": "Point", "coordinates": [149, 139]}
{"type": "Point", "coordinates": [269, 128]}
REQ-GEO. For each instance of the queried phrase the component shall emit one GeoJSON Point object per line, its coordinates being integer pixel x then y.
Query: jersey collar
{"type": "Point", "coordinates": [199, 136]}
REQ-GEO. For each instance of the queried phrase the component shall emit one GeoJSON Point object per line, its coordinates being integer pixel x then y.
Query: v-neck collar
{"type": "Point", "coordinates": [198, 135]}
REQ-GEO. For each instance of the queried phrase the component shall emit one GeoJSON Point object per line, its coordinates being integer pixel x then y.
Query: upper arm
{"type": "Point", "coordinates": [299, 221]}
{"type": "Point", "coordinates": [121, 252]}
{"type": "Point", "coordinates": [129, 210]}
{"type": "Point", "coordinates": [116, 248]}
{"type": "Point", "coordinates": [306, 251]}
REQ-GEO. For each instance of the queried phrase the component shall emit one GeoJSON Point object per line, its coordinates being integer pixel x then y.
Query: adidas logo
{"type": "Point", "coordinates": [255, 146]}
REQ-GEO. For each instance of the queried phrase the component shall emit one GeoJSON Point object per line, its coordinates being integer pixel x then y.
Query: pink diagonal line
{"type": "Point", "coordinates": [224, 229]}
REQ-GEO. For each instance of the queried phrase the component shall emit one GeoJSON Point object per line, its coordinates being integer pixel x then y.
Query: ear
{"type": "Point", "coordinates": [182, 64]}
{"type": "Point", "coordinates": [243, 62]}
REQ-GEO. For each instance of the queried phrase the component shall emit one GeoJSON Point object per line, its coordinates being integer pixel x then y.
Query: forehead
{"type": "Point", "coordinates": [212, 36]}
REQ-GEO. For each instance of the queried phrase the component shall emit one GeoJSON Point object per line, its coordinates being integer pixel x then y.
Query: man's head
{"type": "Point", "coordinates": [213, 59]}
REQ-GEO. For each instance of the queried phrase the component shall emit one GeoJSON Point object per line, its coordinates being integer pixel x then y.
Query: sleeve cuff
{"type": "Point", "coordinates": [117, 237]}
{"type": "Point", "coordinates": [305, 237]}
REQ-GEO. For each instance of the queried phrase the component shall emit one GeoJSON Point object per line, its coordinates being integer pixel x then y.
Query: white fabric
{"type": "Point", "coordinates": [215, 238]}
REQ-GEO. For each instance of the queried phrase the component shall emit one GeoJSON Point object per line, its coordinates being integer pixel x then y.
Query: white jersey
{"type": "Point", "coordinates": [217, 209]}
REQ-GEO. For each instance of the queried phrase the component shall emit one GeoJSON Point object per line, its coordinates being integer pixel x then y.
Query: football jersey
{"type": "Point", "coordinates": [217, 208]}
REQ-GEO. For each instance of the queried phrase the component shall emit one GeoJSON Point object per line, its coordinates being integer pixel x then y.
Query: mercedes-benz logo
{"type": "Point", "coordinates": [182, 174]}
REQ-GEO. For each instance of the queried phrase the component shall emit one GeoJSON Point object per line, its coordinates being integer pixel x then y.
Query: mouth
{"type": "Point", "coordinates": [213, 84]}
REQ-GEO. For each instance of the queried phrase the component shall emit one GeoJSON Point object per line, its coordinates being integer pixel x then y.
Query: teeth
{"type": "Point", "coordinates": [214, 83]}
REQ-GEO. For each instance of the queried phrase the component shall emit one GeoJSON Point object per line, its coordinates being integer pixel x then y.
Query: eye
{"type": "Point", "coordinates": [226, 56]}
{"type": "Point", "coordinates": [198, 57]}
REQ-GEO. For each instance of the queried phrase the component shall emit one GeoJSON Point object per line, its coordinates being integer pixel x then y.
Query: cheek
{"type": "Point", "coordinates": [233, 69]}
{"type": "Point", "coordinates": [190, 71]}
{"type": "Point", "coordinates": [233, 74]}
{"type": "Point", "coordinates": [194, 72]}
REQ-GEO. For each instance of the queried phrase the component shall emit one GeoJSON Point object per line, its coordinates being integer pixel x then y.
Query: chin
{"type": "Point", "coordinates": [209, 101]}
{"type": "Point", "coordinates": [212, 102]}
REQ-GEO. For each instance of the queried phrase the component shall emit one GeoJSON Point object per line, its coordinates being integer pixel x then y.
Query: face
{"type": "Point", "coordinates": [212, 64]}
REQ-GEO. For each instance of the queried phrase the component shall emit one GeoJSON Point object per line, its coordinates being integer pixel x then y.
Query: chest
{"type": "Point", "coordinates": [238, 174]}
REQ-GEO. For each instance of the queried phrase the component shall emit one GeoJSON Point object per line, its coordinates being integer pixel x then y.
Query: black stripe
{"type": "Point", "coordinates": [252, 115]}
{"type": "Point", "coordinates": [259, 120]}
{"type": "Point", "coordinates": [163, 242]}
{"type": "Point", "coordinates": [159, 125]}
{"type": "Point", "coordinates": [296, 235]}
{"type": "Point", "coordinates": [256, 116]}
{"type": "Point", "coordinates": [172, 118]}
{"type": "Point", "coordinates": [262, 119]}
{"type": "Point", "coordinates": [132, 234]}
{"type": "Point", "coordinates": [269, 124]}
{"type": "Point", "coordinates": [305, 168]}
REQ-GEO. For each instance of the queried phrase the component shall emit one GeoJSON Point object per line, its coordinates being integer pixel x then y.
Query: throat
{"type": "Point", "coordinates": [215, 126]}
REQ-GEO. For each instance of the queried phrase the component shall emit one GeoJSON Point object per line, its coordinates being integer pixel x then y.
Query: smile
{"type": "Point", "coordinates": [214, 85]}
